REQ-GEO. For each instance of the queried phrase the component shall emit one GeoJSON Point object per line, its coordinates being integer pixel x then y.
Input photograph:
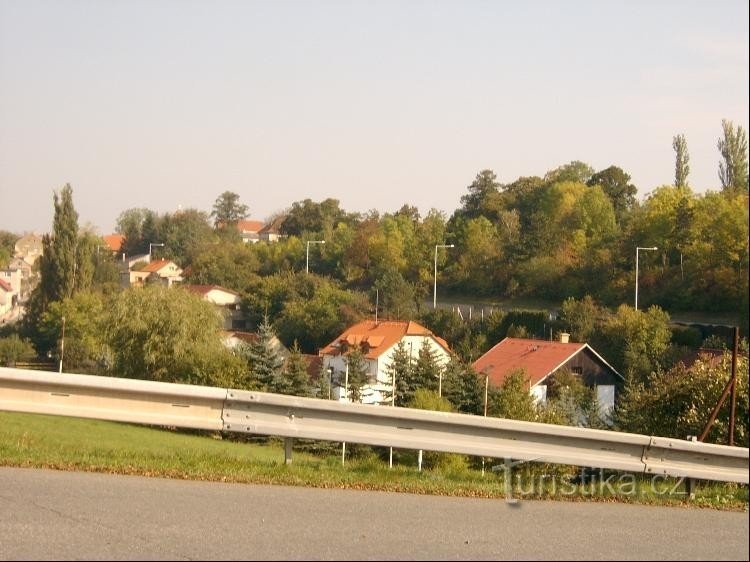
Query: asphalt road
{"type": "Point", "coordinates": [68, 515]}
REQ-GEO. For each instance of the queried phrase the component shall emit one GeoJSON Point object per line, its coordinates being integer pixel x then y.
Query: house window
{"type": "Point", "coordinates": [577, 370]}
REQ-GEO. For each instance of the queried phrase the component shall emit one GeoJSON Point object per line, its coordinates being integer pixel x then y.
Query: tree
{"type": "Point", "coordinates": [681, 166]}
{"type": "Point", "coordinates": [139, 228]}
{"type": "Point", "coordinates": [427, 372]}
{"type": "Point", "coordinates": [483, 198]}
{"type": "Point", "coordinates": [7, 246]}
{"type": "Point", "coordinates": [513, 399]}
{"type": "Point", "coordinates": [294, 379]}
{"type": "Point", "coordinates": [357, 373]}
{"type": "Point", "coordinates": [462, 388]}
{"type": "Point", "coordinates": [733, 170]}
{"type": "Point", "coordinates": [13, 349]}
{"type": "Point", "coordinates": [635, 342]}
{"type": "Point", "coordinates": [580, 317]}
{"type": "Point", "coordinates": [84, 317]}
{"type": "Point", "coordinates": [169, 335]}
{"type": "Point", "coordinates": [399, 369]}
{"type": "Point", "coordinates": [265, 362]}
{"type": "Point", "coordinates": [65, 265]}
{"type": "Point", "coordinates": [616, 184]}
{"type": "Point", "coordinates": [575, 171]}
{"type": "Point", "coordinates": [228, 211]}
{"type": "Point", "coordinates": [678, 402]}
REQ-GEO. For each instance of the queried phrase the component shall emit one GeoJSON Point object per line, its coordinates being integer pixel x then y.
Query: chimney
{"type": "Point", "coordinates": [564, 337]}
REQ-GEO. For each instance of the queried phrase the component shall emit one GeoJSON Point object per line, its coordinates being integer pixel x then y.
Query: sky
{"type": "Point", "coordinates": [166, 104]}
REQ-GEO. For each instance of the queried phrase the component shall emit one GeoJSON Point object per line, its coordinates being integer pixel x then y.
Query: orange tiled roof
{"type": "Point", "coordinates": [539, 358]}
{"type": "Point", "coordinates": [249, 226]}
{"type": "Point", "coordinates": [155, 265]}
{"type": "Point", "coordinates": [380, 336]}
{"type": "Point", "coordinates": [114, 241]}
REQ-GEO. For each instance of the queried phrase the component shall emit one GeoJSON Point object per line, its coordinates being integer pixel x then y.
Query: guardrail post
{"type": "Point", "coordinates": [690, 482]}
{"type": "Point", "coordinates": [288, 450]}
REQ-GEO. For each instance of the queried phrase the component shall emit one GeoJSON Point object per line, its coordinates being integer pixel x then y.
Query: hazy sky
{"type": "Point", "coordinates": [377, 103]}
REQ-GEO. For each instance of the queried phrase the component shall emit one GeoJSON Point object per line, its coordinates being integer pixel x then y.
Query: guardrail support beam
{"type": "Point", "coordinates": [288, 441]}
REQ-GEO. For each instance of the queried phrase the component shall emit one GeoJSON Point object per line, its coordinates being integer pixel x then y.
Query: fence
{"type": "Point", "coordinates": [200, 407]}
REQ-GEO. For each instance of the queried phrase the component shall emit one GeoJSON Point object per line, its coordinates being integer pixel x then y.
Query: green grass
{"type": "Point", "coordinates": [62, 443]}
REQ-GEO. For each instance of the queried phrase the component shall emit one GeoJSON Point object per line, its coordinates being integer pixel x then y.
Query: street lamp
{"type": "Point", "coordinates": [151, 245]}
{"type": "Point", "coordinates": [62, 344]}
{"type": "Point", "coordinates": [434, 291]}
{"type": "Point", "coordinates": [330, 381]}
{"type": "Point", "coordinates": [654, 248]}
{"type": "Point", "coordinates": [307, 255]}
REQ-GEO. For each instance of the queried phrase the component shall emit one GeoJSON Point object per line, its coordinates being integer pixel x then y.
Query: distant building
{"type": "Point", "coordinates": [541, 359]}
{"type": "Point", "coordinates": [377, 341]}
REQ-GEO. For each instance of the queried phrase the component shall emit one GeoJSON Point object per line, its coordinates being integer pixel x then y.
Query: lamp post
{"type": "Point", "coordinates": [434, 290]}
{"type": "Point", "coordinates": [330, 381]}
{"type": "Point", "coordinates": [307, 253]}
{"type": "Point", "coordinates": [62, 344]}
{"type": "Point", "coordinates": [654, 248]}
{"type": "Point", "coordinates": [151, 245]}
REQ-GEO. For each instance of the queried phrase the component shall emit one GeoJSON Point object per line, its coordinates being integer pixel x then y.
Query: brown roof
{"type": "Point", "coordinates": [379, 337]}
{"type": "Point", "coordinates": [314, 364]}
{"type": "Point", "coordinates": [273, 226]}
{"type": "Point", "coordinates": [711, 356]}
{"type": "Point", "coordinates": [539, 358]}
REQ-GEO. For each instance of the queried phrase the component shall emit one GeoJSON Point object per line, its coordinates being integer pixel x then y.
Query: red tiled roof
{"type": "Point", "coordinates": [539, 358]}
{"type": "Point", "coordinates": [114, 241]}
{"type": "Point", "coordinates": [5, 286]}
{"type": "Point", "coordinates": [155, 265]}
{"type": "Point", "coordinates": [249, 226]}
{"type": "Point", "coordinates": [379, 336]}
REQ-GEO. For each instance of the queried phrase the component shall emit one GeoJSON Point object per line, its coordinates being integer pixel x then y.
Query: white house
{"type": "Point", "coordinates": [226, 300]}
{"type": "Point", "coordinates": [377, 341]}
{"type": "Point", "coordinates": [165, 272]}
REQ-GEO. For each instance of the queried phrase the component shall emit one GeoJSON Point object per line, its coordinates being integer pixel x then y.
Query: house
{"type": "Point", "coordinates": [377, 342]}
{"type": "Point", "coordinates": [271, 232]}
{"type": "Point", "coordinates": [29, 247]}
{"type": "Point", "coordinates": [21, 275]}
{"type": "Point", "coordinates": [233, 338]}
{"type": "Point", "coordinates": [541, 359]}
{"type": "Point", "coordinates": [166, 272]}
{"type": "Point", "coordinates": [7, 297]}
{"type": "Point", "coordinates": [249, 230]}
{"type": "Point", "coordinates": [114, 242]}
{"type": "Point", "coordinates": [14, 279]}
{"type": "Point", "coordinates": [226, 300]}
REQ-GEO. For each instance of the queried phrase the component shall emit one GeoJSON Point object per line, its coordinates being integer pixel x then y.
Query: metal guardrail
{"type": "Point", "coordinates": [201, 407]}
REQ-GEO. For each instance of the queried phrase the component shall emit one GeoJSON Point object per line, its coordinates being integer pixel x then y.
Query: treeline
{"type": "Point", "coordinates": [569, 236]}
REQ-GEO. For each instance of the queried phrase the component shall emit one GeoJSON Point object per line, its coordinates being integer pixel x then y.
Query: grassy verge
{"type": "Point", "coordinates": [38, 441]}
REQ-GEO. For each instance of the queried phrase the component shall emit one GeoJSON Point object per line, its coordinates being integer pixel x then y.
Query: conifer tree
{"type": "Point", "coordinates": [357, 366]}
{"type": "Point", "coordinates": [462, 388]}
{"type": "Point", "coordinates": [294, 379]}
{"type": "Point", "coordinates": [265, 362]}
{"type": "Point", "coordinates": [400, 369]}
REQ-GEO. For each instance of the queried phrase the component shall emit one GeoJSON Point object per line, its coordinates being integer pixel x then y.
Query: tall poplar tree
{"type": "Point", "coordinates": [64, 266]}
{"type": "Point", "coordinates": [733, 171]}
{"type": "Point", "coordinates": [681, 165]}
